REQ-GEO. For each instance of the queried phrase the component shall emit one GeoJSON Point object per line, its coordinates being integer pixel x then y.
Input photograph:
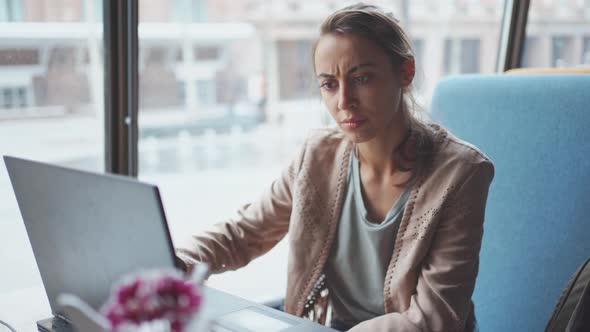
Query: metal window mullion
{"type": "Point", "coordinates": [513, 34]}
{"type": "Point", "coordinates": [121, 77]}
{"type": "Point", "coordinates": [133, 86]}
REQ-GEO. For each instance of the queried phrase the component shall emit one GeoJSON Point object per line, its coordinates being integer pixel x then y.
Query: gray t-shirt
{"type": "Point", "coordinates": [359, 258]}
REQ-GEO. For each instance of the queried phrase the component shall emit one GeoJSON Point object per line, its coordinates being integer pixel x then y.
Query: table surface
{"type": "Point", "coordinates": [24, 307]}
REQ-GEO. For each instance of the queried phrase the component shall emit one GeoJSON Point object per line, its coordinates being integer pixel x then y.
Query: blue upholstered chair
{"type": "Point", "coordinates": [536, 129]}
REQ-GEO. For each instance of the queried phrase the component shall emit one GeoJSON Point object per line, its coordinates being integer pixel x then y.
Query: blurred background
{"type": "Point", "coordinates": [226, 95]}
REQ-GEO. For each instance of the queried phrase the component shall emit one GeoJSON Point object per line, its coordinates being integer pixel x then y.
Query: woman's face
{"type": "Point", "coordinates": [358, 85]}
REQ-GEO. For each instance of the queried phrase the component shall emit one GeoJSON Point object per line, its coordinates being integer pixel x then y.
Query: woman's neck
{"type": "Point", "coordinates": [376, 155]}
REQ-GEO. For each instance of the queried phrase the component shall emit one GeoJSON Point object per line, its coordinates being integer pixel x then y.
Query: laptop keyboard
{"type": "Point", "coordinates": [219, 328]}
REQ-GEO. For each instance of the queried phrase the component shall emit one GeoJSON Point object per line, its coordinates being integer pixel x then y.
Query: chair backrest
{"type": "Point", "coordinates": [537, 230]}
{"type": "Point", "coordinates": [568, 70]}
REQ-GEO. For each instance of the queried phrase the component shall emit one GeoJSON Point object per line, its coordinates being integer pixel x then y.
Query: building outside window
{"type": "Point", "coordinates": [561, 51]}
{"type": "Point", "coordinates": [418, 46]}
{"type": "Point", "coordinates": [556, 34]}
{"type": "Point", "coordinates": [462, 56]}
{"type": "Point", "coordinates": [206, 92]}
{"type": "Point", "coordinates": [470, 56]}
{"type": "Point", "coordinates": [51, 109]}
{"type": "Point", "coordinates": [13, 98]}
{"type": "Point", "coordinates": [295, 65]}
{"type": "Point", "coordinates": [11, 10]}
{"type": "Point", "coordinates": [586, 51]}
{"type": "Point", "coordinates": [530, 51]}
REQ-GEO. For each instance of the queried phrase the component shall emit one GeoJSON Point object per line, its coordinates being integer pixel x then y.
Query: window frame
{"type": "Point", "coordinates": [513, 34]}
{"type": "Point", "coordinates": [120, 28]}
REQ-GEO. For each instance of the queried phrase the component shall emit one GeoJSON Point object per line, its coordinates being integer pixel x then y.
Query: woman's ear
{"type": "Point", "coordinates": [408, 70]}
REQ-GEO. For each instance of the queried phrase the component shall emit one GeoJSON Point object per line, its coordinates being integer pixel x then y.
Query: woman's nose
{"type": "Point", "coordinates": [346, 98]}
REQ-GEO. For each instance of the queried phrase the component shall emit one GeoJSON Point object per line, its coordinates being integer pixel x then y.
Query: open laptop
{"type": "Point", "coordinates": [88, 229]}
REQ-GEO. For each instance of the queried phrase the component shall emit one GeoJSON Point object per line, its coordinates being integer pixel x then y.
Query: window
{"type": "Point", "coordinates": [7, 98]}
{"type": "Point", "coordinates": [56, 11]}
{"type": "Point", "coordinates": [227, 94]}
{"type": "Point", "coordinates": [207, 53]}
{"type": "Point", "coordinates": [50, 110]}
{"type": "Point", "coordinates": [561, 55]}
{"type": "Point", "coordinates": [462, 56]}
{"type": "Point", "coordinates": [21, 96]}
{"type": "Point", "coordinates": [470, 56]}
{"type": "Point", "coordinates": [157, 79]}
{"type": "Point", "coordinates": [586, 51]}
{"type": "Point", "coordinates": [418, 45]}
{"type": "Point", "coordinates": [206, 92]}
{"type": "Point", "coordinates": [11, 98]}
{"type": "Point", "coordinates": [295, 75]}
{"type": "Point", "coordinates": [556, 34]}
{"type": "Point", "coordinates": [190, 11]}
{"type": "Point", "coordinates": [11, 10]}
{"type": "Point", "coordinates": [530, 51]}
{"type": "Point", "coordinates": [454, 37]}
{"type": "Point", "coordinates": [19, 57]}
{"type": "Point", "coordinates": [199, 11]}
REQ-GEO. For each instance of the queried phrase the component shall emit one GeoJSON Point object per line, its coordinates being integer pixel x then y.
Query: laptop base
{"type": "Point", "coordinates": [54, 324]}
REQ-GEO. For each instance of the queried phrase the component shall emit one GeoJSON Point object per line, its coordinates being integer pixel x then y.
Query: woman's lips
{"type": "Point", "coordinates": [353, 123]}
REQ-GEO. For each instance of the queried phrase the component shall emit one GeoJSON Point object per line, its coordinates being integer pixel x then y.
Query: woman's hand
{"type": "Point", "coordinates": [180, 264]}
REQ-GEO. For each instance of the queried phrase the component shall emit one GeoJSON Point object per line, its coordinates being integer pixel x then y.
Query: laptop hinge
{"type": "Point", "coordinates": [62, 317]}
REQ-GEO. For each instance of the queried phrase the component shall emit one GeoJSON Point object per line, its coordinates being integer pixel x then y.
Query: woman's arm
{"type": "Point", "coordinates": [442, 300]}
{"type": "Point", "coordinates": [257, 228]}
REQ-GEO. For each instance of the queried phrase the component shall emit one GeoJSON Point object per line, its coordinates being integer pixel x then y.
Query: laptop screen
{"type": "Point", "coordinates": [87, 229]}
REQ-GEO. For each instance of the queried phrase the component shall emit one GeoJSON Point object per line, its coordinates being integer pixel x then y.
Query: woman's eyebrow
{"type": "Point", "coordinates": [359, 66]}
{"type": "Point", "coordinates": [349, 71]}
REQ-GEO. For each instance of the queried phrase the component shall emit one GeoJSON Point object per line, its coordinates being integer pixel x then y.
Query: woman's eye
{"type": "Point", "coordinates": [361, 79]}
{"type": "Point", "coordinates": [328, 85]}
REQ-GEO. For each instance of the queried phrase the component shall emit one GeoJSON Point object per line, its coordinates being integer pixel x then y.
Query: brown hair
{"type": "Point", "coordinates": [383, 29]}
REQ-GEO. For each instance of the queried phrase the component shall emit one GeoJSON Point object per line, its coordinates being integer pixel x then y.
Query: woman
{"type": "Point", "coordinates": [385, 214]}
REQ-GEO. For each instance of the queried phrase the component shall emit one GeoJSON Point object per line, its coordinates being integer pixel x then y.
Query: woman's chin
{"type": "Point", "coordinates": [357, 136]}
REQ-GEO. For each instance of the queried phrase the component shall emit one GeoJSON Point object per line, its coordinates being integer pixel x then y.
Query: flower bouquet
{"type": "Point", "coordinates": [149, 301]}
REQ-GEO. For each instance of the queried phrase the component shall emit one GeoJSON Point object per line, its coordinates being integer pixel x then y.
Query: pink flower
{"type": "Point", "coordinates": [153, 295]}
